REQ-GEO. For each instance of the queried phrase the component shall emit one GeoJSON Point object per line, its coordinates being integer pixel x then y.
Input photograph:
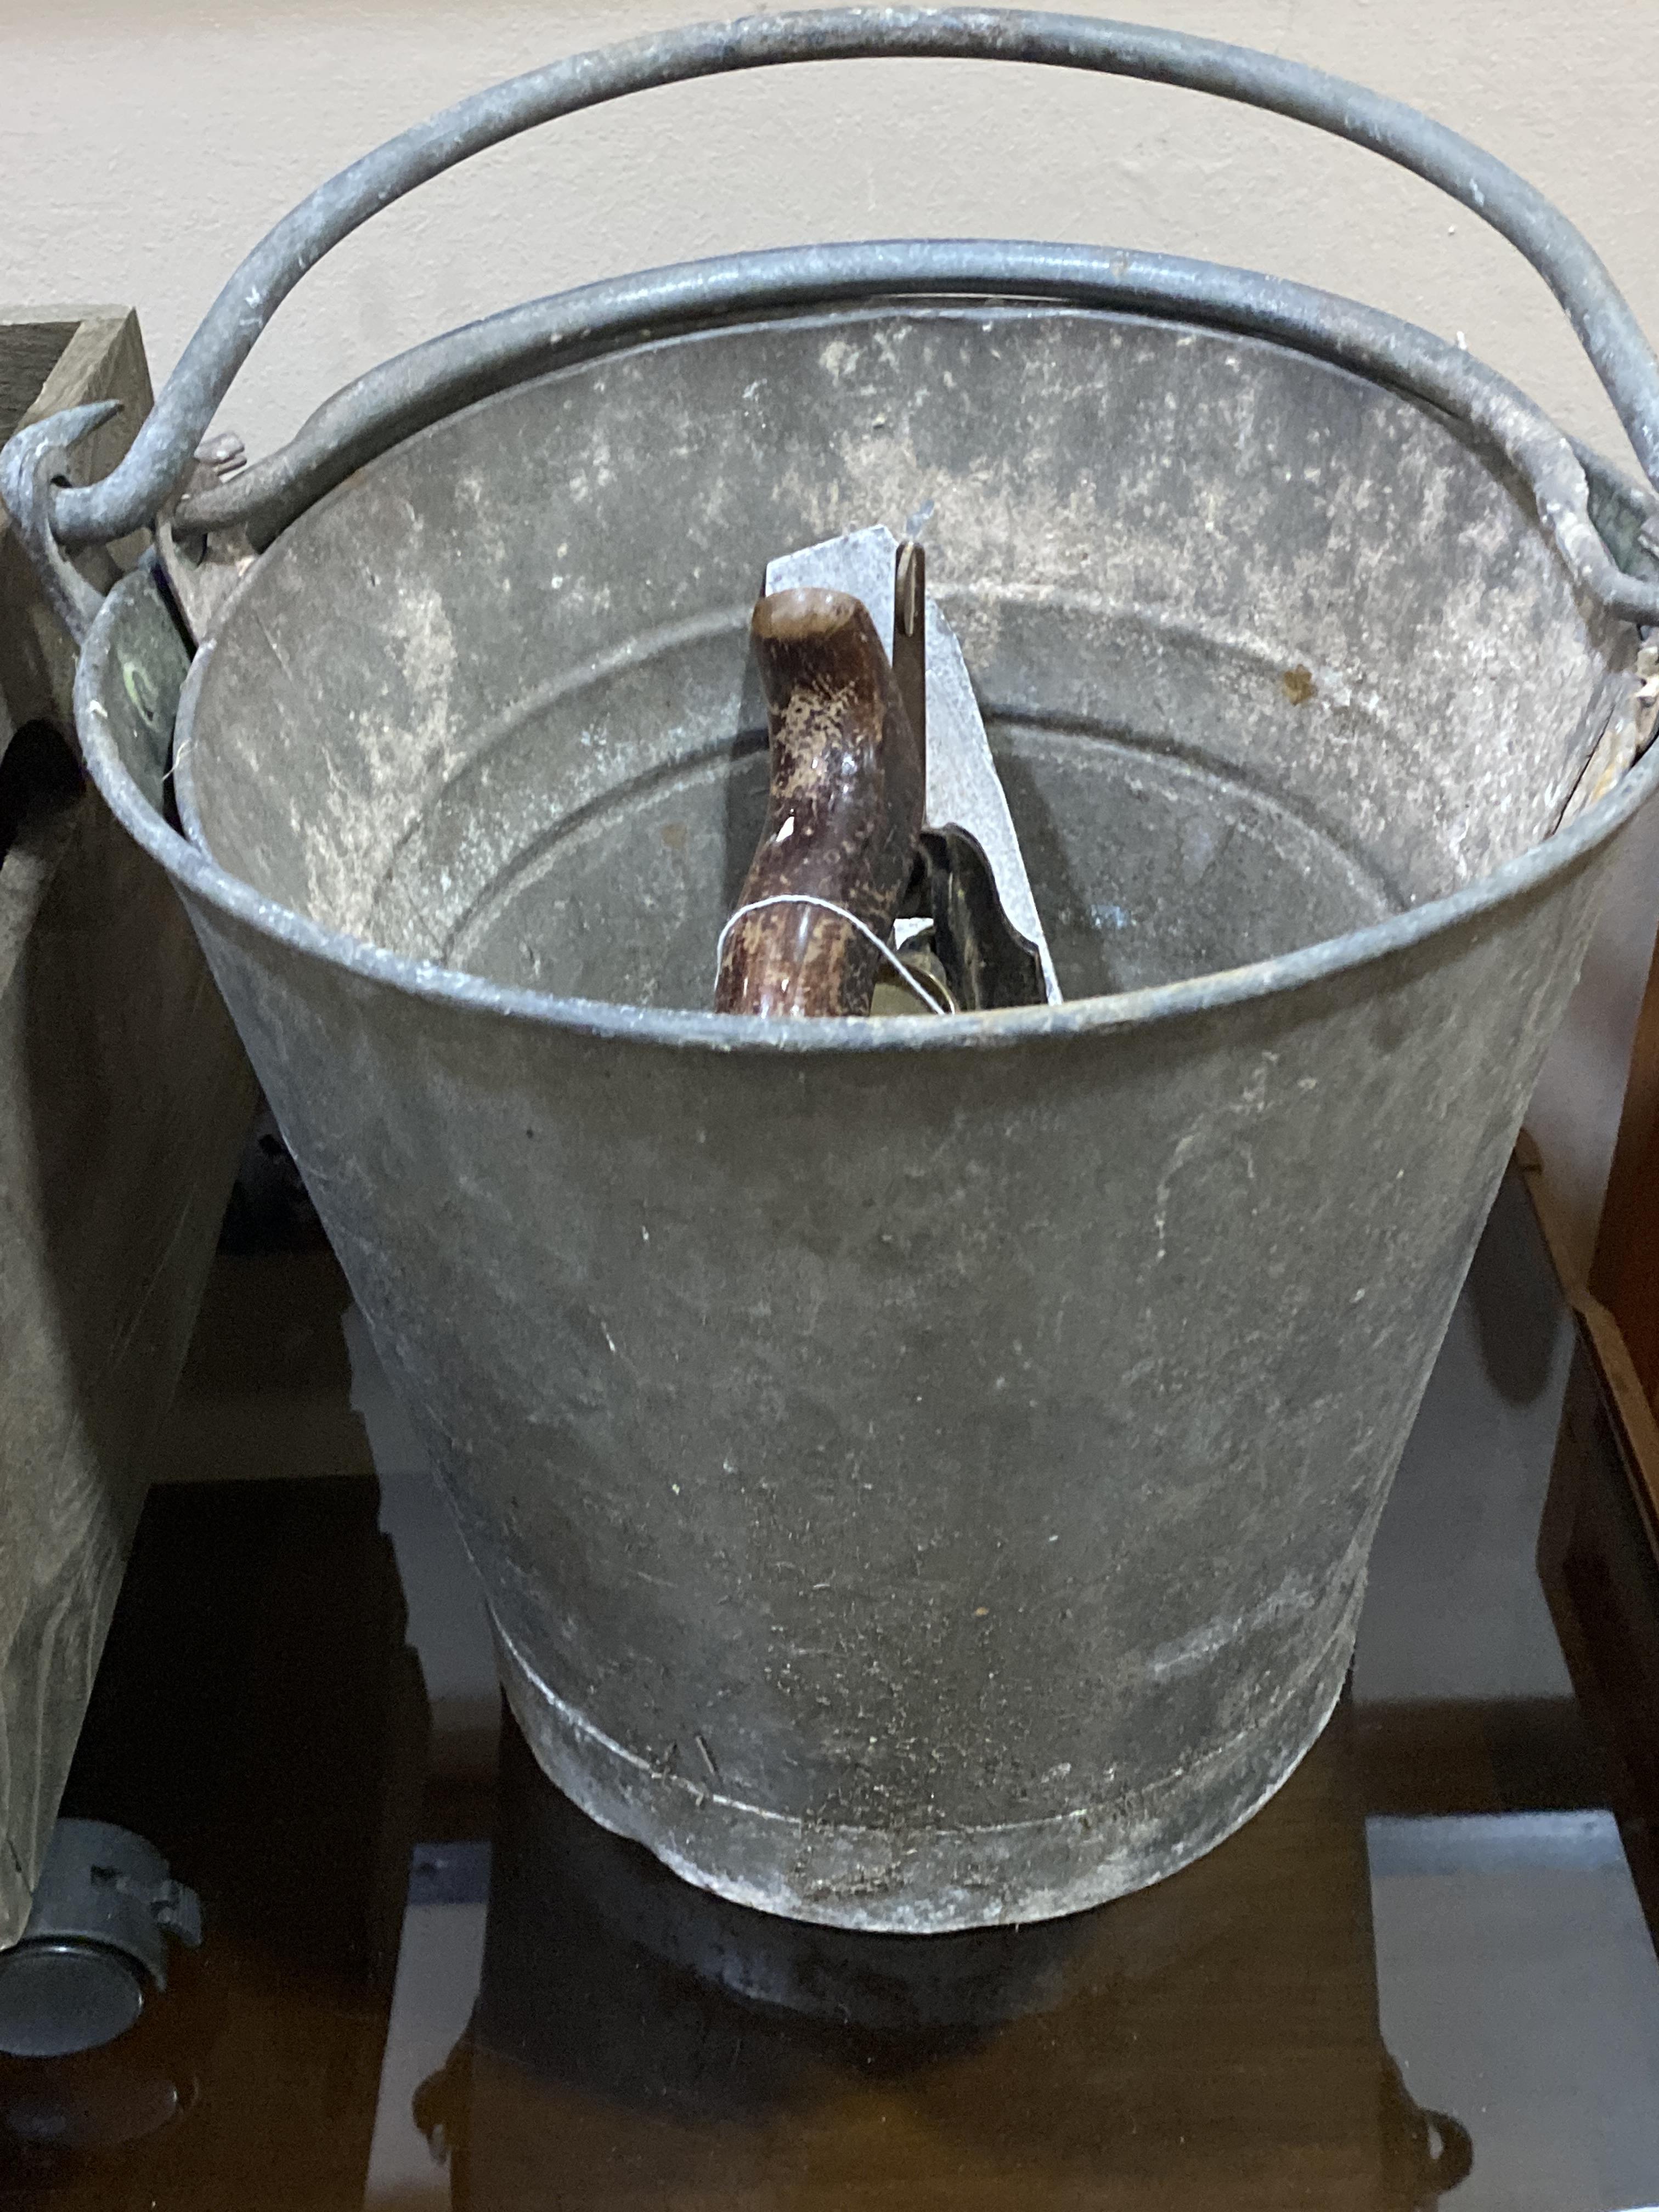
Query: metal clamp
{"type": "Point", "coordinates": [203, 567]}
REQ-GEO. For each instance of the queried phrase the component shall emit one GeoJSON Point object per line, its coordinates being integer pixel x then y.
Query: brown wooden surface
{"type": "Point", "coordinates": [1440, 1757]}
{"type": "Point", "coordinates": [1598, 1552]}
{"type": "Point", "coordinates": [1624, 1275]}
{"type": "Point", "coordinates": [266, 1387]}
{"type": "Point", "coordinates": [124, 1097]}
{"type": "Point", "coordinates": [1598, 1558]}
{"type": "Point", "coordinates": [1212, 2042]}
{"type": "Point", "coordinates": [1629, 1401]}
{"type": "Point", "coordinates": [262, 1721]}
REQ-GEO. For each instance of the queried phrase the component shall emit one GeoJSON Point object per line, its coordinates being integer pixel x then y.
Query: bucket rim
{"type": "Point", "coordinates": [201, 878]}
{"type": "Point", "coordinates": [414, 391]}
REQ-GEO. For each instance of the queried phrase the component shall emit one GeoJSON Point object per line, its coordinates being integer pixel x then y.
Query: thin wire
{"type": "Point", "coordinates": [828, 906]}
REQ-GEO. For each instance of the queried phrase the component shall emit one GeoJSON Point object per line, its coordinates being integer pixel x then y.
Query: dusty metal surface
{"type": "Point", "coordinates": [1252, 683]}
{"type": "Point", "coordinates": [922, 1469]}
{"type": "Point", "coordinates": [124, 1097]}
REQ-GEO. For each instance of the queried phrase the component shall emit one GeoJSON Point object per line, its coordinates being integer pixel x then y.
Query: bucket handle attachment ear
{"type": "Point", "coordinates": [32, 464]}
{"type": "Point", "coordinates": [130, 495]}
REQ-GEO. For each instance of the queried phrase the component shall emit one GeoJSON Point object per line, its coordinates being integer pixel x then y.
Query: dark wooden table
{"type": "Point", "coordinates": [611, 2037]}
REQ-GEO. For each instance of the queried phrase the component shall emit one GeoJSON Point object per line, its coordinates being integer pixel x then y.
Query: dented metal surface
{"type": "Point", "coordinates": [922, 1469]}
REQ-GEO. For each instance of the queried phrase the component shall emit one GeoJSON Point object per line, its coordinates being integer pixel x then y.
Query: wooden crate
{"type": "Point", "coordinates": [124, 1100]}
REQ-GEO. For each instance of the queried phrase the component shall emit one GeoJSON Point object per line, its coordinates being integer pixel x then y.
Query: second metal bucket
{"type": "Point", "coordinates": [922, 1470]}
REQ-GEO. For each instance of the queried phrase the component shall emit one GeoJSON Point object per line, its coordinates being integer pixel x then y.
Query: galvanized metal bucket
{"type": "Point", "coordinates": [921, 1470]}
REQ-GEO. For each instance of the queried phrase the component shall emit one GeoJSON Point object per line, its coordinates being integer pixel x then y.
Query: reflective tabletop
{"type": "Point", "coordinates": [1422, 1971]}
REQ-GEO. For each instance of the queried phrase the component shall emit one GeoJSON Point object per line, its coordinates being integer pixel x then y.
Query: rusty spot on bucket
{"type": "Point", "coordinates": [1298, 685]}
{"type": "Point", "coordinates": [673, 836]}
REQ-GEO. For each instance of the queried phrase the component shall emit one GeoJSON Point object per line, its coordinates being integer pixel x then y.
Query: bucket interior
{"type": "Point", "coordinates": [1265, 651]}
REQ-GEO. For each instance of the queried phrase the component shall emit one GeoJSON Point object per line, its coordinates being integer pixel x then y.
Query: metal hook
{"type": "Point", "coordinates": [29, 463]}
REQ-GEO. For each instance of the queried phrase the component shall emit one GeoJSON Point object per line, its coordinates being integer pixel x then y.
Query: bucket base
{"type": "Point", "coordinates": [928, 1881]}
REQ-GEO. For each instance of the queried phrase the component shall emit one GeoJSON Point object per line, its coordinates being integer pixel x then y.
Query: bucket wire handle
{"type": "Point", "coordinates": [129, 496]}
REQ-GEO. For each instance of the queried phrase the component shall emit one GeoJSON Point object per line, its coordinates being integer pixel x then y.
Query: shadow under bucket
{"type": "Point", "coordinates": [921, 1469]}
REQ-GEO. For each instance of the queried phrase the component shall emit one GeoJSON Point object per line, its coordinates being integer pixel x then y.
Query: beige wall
{"type": "Point", "coordinates": [146, 146]}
